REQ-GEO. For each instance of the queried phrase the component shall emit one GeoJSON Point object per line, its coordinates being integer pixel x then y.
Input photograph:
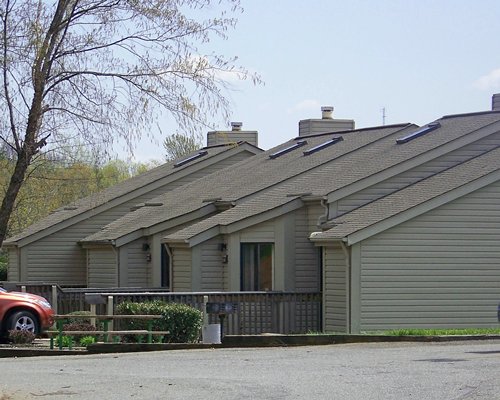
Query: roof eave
{"type": "Point", "coordinates": [357, 235]}
{"type": "Point", "coordinates": [96, 243]}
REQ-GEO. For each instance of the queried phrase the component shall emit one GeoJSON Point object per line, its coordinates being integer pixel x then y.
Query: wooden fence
{"type": "Point", "coordinates": [255, 312]}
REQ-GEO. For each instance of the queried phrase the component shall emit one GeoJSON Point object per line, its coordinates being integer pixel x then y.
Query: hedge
{"type": "Point", "coordinates": [182, 321]}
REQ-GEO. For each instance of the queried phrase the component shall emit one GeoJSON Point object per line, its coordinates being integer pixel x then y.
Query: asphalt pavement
{"type": "Point", "coordinates": [440, 371]}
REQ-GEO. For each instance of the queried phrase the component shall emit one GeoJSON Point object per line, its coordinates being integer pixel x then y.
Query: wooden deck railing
{"type": "Point", "coordinates": [256, 312]}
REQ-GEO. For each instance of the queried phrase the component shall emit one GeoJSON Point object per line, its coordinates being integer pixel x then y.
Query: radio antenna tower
{"type": "Point", "coordinates": [383, 116]}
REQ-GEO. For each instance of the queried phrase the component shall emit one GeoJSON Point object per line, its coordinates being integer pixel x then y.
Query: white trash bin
{"type": "Point", "coordinates": [211, 334]}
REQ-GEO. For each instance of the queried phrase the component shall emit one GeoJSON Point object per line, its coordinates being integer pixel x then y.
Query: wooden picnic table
{"type": "Point", "coordinates": [104, 317]}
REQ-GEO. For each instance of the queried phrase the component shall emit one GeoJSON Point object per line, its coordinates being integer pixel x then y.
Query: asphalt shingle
{"type": "Point", "coordinates": [93, 201]}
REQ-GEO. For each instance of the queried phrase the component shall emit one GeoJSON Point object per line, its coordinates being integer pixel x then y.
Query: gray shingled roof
{"type": "Point", "coordinates": [135, 183]}
{"type": "Point", "coordinates": [257, 205]}
{"type": "Point", "coordinates": [269, 181]}
{"type": "Point", "coordinates": [412, 196]}
{"type": "Point", "coordinates": [385, 154]}
{"type": "Point", "coordinates": [247, 178]}
{"type": "Point", "coordinates": [333, 176]}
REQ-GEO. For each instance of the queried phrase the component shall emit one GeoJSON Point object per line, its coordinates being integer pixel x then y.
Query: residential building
{"type": "Point", "coordinates": [397, 226]}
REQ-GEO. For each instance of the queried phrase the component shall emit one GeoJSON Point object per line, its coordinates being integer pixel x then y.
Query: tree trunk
{"type": "Point", "coordinates": [15, 184]}
{"type": "Point", "coordinates": [24, 153]}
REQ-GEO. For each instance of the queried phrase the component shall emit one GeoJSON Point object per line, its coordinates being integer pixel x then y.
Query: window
{"type": "Point", "coordinates": [192, 158]}
{"type": "Point", "coordinates": [421, 132]}
{"type": "Point", "coordinates": [279, 153]}
{"type": "Point", "coordinates": [256, 266]}
{"type": "Point", "coordinates": [323, 145]}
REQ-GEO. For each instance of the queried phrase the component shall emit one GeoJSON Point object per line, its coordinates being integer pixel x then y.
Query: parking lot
{"type": "Point", "coordinates": [460, 370]}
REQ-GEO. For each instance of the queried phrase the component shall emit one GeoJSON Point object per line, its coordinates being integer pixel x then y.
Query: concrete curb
{"type": "Point", "coordinates": [14, 352]}
{"type": "Point", "coordinates": [230, 341]}
{"type": "Point", "coordinates": [99, 348]}
{"type": "Point", "coordinates": [315, 340]}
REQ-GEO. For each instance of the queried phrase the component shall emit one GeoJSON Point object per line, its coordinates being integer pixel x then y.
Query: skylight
{"type": "Point", "coordinates": [279, 153]}
{"type": "Point", "coordinates": [323, 145]}
{"type": "Point", "coordinates": [421, 132]}
{"type": "Point", "coordinates": [192, 158]}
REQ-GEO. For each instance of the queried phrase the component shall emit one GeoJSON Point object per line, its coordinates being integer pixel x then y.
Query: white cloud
{"type": "Point", "coordinates": [490, 81]}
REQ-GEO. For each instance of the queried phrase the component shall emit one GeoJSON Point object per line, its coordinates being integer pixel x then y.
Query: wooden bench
{"type": "Point", "coordinates": [60, 332]}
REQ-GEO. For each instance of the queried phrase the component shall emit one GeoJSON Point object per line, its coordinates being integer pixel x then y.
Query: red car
{"type": "Point", "coordinates": [24, 312]}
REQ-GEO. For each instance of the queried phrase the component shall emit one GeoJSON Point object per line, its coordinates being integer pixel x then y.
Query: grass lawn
{"type": "Point", "coordinates": [422, 332]}
{"type": "Point", "coordinates": [442, 332]}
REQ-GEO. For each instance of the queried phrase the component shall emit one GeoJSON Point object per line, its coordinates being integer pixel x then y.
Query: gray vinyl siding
{"type": "Point", "coordinates": [213, 270]}
{"type": "Point", "coordinates": [307, 265]}
{"type": "Point", "coordinates": [138, 267]}
{"type": "Point", "coordinates": [416, 174]}
{"type": "Point", "coordinates": [263, 232]}
{"type": "Point", "coordinates": [57, 258]}
{"type": "Point", "coordinates": [102, 268]}
{"type": "Point", "coordinates": [182, 270]}
{"type": "Point", "coordinates": [13, 264]}
{"type": "Point", "coordinates": [441, 269]}
{"type": "Point", "coordinates": [335, 294]}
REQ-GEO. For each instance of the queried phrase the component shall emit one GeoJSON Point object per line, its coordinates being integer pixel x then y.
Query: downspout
{"type": "Point", "coordinates": [170, 266]}
{"type": "Point", "coordinates": [323, 218]}
{"type": "Point", "coordinates": [87, 265]}
{"type": "Point", "coordinates": [347, 255]}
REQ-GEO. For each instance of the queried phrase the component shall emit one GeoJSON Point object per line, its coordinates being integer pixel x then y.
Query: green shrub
{"type": "Point", "coordinates": [66, 340]}
{"type": "Point", "coordinates": [86, 340]}
{"type": "Point", "coordinates": [182, 321]}
{"type": "Point", "coordinates": [21, 337]}
{"type": "Point", "coordinates": [76, 340]}
{"type": "Point", "coordinates": [79, 326]}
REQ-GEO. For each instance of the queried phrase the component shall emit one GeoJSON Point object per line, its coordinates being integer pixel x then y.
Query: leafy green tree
{"type": "Point", "coordinates": [100, 70]}
{"type": "Point", "coordinates": [51, 184]}
{"type": "Point", "coordinates": [177, 145]}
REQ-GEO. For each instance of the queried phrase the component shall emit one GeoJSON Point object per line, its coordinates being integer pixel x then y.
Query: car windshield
{"type": "Point", "coordinates": [2, 290]}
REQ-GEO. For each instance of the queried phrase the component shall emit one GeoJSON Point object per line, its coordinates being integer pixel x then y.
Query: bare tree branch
{"type": "Point", "coordinates": [96, 71]}
{"type": "Point", "coordinates": [13, 127]}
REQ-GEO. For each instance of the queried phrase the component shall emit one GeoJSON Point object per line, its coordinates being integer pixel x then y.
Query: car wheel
{"type": "Point", "coordinates": [23, 321]}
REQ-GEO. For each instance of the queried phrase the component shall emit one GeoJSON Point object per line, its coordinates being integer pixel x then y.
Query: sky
{"type": "Point", "coordinates": [418, 60]}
